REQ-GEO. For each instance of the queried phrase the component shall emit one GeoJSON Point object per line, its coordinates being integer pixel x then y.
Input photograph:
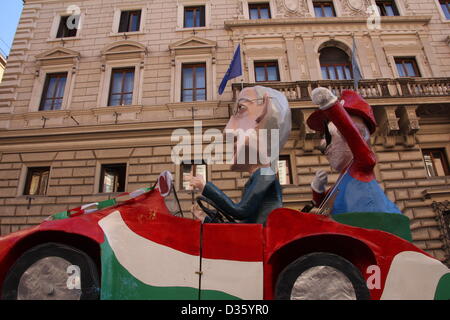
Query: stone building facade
{"type": "Point", "coordinates": [405, 65]}
{"type": "Point", "coordinates": [2, 66]}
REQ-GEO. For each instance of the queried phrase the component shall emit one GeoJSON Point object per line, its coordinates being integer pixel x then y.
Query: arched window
{"type": "Point", "coordinates": [335, 64]}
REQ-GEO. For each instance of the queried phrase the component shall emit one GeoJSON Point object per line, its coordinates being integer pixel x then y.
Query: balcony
{"type": "Point", "coordinates": [369, 89]}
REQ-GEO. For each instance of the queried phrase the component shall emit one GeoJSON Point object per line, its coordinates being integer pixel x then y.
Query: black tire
{"type": "Point", "coordinates": [90, 288]}
{"type": "Point", "coordinates": [288, 277]}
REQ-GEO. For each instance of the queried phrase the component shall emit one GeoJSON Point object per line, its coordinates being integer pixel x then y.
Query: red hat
{"type": "Point", "coordinates": [354, 104]}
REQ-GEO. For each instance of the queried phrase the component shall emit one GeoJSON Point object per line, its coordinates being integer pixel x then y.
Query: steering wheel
{"type": "Point", "coordinates": [217, 213]}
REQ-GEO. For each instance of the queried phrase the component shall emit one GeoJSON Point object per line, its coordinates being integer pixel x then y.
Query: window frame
{"type": "Point", "coordinates": [27, 185]}
{"type": "Point", "coordinates": [115, 26]}
{"type": "Point", "coordinates": [194, 89]}
{"type": "Point", "coordinates": [176, 75]}
{"type": "Point", "coordinates": [102, 176]}
{"type": "Point", "coordinates": [443, 157]}
{"type": "Point", "coordinates": [335, 65]}
{"type": "Point", "coordinates": [322, 3]}
{"type": "Point", "coordinates": [443, 15]}
{"type": "Point", "coordinates": [181, 4]}
{"type": "Point", "coordinates": [44, 98]}
{"type": "Point", "coordinates": [266, 63]}
{"type": "Point", "coordinates": [202, 19]}
{"type": "Point", "coordinates": [129, 20]}
{"type": "Point", "coordinates": [403, 60]}
{"type": "Point", "coordinates": [258, 5]}
{"type": "Point", "coordinates": [384, 2]}
{"type": "Point", "coordinates": [122, 70]}
{"type": "Point", "coordinates": [53, 36]}
{"type": "Point", "coordinates": [64, 28]}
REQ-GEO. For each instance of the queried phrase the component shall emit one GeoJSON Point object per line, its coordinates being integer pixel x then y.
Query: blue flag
{"type": "Point", "coordinates": [357, 76]}
{"type": "Point", "coordinates": [234, 70]}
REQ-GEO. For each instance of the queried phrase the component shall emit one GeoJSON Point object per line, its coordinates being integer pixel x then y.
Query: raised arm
{"type": "Point", "coordinates": [363, 157]}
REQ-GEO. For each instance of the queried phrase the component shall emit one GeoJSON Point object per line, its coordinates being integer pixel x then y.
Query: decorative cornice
{"type": "Point", "coordinates": [230, 24]}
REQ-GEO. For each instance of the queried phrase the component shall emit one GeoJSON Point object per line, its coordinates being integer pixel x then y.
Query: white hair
{"type": "Point", "coordinates": [281, 112]}
{"type": "Point", "coordinates": [279, 118]}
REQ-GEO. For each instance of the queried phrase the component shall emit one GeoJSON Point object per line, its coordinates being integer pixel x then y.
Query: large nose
{"type": "Point", "coordinates": [232, 124]}
{"type": "Point", "coordinates": [322, 146]}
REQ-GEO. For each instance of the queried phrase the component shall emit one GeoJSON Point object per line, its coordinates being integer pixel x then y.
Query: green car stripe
{"type": "Point", "coordinates": [396, 224]}
{"type": "Point", "coordinates": [443, 288]}
{"type": "Point", "coordinates": [119, 284]}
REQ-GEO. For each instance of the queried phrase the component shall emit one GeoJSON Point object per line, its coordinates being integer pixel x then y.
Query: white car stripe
{"type": "Point", "coordinates": [162, 266]}
{"type": "Point", "coordinates": [240, 279]}
{"type": "Point", "coordinates": [148, 261]}
{"type": "Point", "coordinates": [413, 276]}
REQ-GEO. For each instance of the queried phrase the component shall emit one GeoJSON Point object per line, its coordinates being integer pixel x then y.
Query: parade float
{"type": "Point", "coordinates": [141, 245]}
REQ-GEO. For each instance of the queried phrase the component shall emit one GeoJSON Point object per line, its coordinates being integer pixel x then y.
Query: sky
{"type": "Point", "coordinates": [9, 18]}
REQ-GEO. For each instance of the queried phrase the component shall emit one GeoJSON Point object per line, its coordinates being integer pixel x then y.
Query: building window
{"type": "Point", "coordinates": [121, 89]}
{"type": "Point", "coordinates": [436, 162]}
{"type": "Point", "coordinates": [324, 9]}
{"type": "Point", "coordinates": [387, 8]}
{"type": "Point", "coordinates": [53, 94]}
{"type": "Point", "coordinates": [66, 30]}
{"type": "Point", "coordinates": [259, 10]}
{"type": "Point", "coordinates": [112, 178]}
{"type": "Point", "coordinates": [445, 5]}
{"type": "Point", "coordinates": [192, 169]}
{"type": "Point", "coordinates": [407, 67]}
{"type": "Point", "coordinates": [193, 82]}
{"type": "Point", "coordinates": [130, 21]}
{"type": "Point", "coordinates": [335, 64]}
{"type": "Point", "coordinates": [194, 17]}
{"type": "Point", "coordinates": [285, 170]}
{"type": "Point", "coordinates": [266, 71]}
{"type": "Point", "coordinates": [37, 181]}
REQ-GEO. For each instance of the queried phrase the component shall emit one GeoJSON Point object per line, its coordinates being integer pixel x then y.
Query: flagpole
{"type": "Point", "coordinates": [357, 76]}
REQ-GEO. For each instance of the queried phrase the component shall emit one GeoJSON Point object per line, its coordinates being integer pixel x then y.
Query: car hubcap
{"type": "Point", "coordinates": [47, 279]}
{"type": "Point", "coordinates": [323, 283]}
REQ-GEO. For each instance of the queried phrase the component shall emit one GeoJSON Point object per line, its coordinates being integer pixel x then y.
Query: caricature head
{"type": "Point", "coordinates": [335, 146]}
{"type": "Point", "coordinates": [259, 115]}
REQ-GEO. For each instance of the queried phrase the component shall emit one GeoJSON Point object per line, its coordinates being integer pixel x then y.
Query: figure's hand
{"type": "Point", "coordinates": [198, 213]}
{"type": "Point", "coordinates": [323, 97]}
{"type": "Point", "coordinates": [197, 182]}
{"type": "Point", "coordinates": [320, 181]}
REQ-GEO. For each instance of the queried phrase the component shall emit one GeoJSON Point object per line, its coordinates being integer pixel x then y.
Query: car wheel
{"type": "Point", "coordinates": [321, 276]}
{"type": "Point", "coordinates": [52, 271]}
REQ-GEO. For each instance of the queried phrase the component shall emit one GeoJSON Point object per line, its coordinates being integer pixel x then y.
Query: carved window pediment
{"type": "Point", "coordinates": [124, 50]}
{"type": "Point", "coordinates": [193, 43]}
{"type": "Point", "coordinates": [58, 55]}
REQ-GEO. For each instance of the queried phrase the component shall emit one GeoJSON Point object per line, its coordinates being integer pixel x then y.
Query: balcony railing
{"type": "Point", "coordinates": [369, 89]}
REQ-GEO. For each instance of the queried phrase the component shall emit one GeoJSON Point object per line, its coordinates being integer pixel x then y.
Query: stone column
{"type": "Point", "coordinates": [377, 46]}
{"type": "Point", "coordinates": [291, 52]}
{"type": "Point", "coordinates": [312, 58]}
